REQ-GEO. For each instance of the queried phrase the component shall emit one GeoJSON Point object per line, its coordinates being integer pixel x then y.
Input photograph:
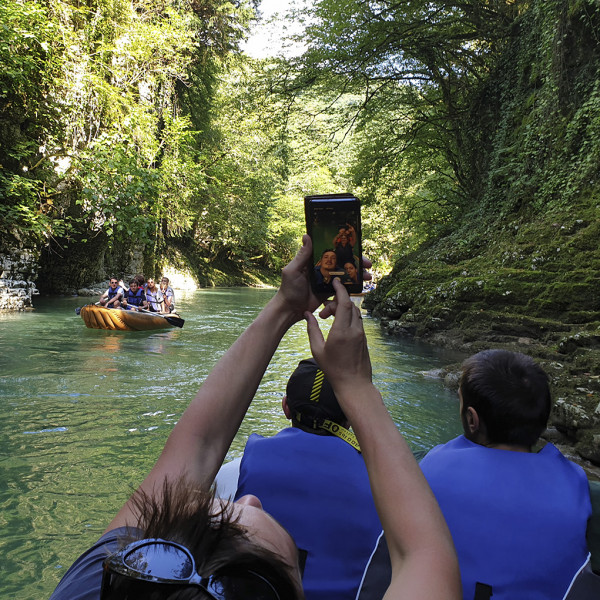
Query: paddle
{"type": "Point", "coordinates": [175, 321]}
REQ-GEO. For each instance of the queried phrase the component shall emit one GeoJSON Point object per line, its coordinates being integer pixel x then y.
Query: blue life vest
{"type": "Point", "coordinates": [518, 520]}
{"type": "Point", "coordinates": [317, 487]}
{"type": "Point", "coordinates": [112, 293]}
{"type": "Point", "coordinates": [137, 298]}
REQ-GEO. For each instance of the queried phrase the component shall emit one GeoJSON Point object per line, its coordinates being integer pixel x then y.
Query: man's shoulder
{"type": "Point", "coordinates": [285, 434]}
{"type": "Point", "coordinates": [461, 454]}
{"type": "Point", "coordinates": [457, 443]}
{"type": "Point", "coordinates": [298, 439]}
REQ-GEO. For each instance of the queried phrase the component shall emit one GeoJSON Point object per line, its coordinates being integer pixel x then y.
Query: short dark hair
{"type": "Point", "coordinates": [206, 526]}
{"type": "Point", "coordinates": [510, 393]}
{"type": "Point", "coordinates": [134, 281]}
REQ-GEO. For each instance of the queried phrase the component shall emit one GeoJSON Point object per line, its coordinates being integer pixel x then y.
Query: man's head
{"type": "Point", "coordinates": [133, 285]}
{"type": "Point", "coordinates": [328, 260]}
{"type": "Point", "coordinates": [224, 539]}
{"type": "Point", "coordinates": [114, 282]}
{"type": "Point", "coordinates": [310, 399]}
{"type": "Point", "coordinates": [505, 398]}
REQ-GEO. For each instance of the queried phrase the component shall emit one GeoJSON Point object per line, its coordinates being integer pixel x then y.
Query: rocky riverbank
{"type": "Point", "coordinates": [18, 272]}
{"type": "Point", "coordinates": [534, 288]}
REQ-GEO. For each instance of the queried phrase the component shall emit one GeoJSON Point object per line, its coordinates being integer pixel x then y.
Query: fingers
{"type": "Point", "coordinates": [367, 264]}
{"type": "Point", "coordinates": [315, 335]}
{"type": "Point", "coordinates": [329, 307]}
{"type": "Point", "coordinates": [344, 306]}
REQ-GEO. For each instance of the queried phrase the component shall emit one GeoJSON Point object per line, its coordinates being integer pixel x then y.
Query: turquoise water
{"type": "Point", "coordinates": [84, 414]}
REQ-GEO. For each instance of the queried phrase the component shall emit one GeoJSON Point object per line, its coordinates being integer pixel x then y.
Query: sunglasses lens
{"type": "Point", "coordinates": [160, 560]}
{"type": "Point", "coordinates": [153, 564]}
{"type": "Point", "coordinates": [241, 587]}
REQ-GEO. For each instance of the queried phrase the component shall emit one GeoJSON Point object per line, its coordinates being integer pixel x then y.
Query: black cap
{"type": "Point", "coordinates": [310, 398]}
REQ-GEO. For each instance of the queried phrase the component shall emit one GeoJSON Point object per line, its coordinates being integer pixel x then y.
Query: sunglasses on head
{"type": "Point", "coordinates": [154, 563]}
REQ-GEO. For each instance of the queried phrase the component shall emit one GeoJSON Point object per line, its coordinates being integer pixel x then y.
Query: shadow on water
{"type": "Point", "coordinates": [84, 414]}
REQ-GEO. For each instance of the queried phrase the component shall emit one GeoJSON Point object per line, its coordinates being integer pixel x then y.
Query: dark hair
{"type": "Point", "coordinates": [327, 250]}
{"type": "Point", "coordinates": [510, 393]}
{"type": "Point", "coordinates": [206, 526]}
{"type": "Point", "coordinates": [140, 279]}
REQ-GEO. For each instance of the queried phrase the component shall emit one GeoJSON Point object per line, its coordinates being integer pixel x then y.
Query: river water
{"type": "Point", "coordinates": [84, 414]}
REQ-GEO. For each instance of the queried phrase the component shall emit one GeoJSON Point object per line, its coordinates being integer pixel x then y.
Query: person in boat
{"type": "Point", "coordinates": [135, 298]}
{"type": "Point", "coordinates": [323, 270]}
{"type": "Point", "coordinates": [344, 250]}
{"type": "Point", "coordinates": [180, 542]}
{"type": "Point", "coordinates": [113, 295]}
{"type": "Point", "coordinates": [168, 295]}
{"type": "Point", "coordinates": [351, 271]}
{"type": "Point", "coordinates": [154, 296]}
{"type": "Point", "coordinates": [141, 281]}
{"type": "Point", "coordinates": [518, 517]}
{"type": "Point", "coordinates": [312, 478]}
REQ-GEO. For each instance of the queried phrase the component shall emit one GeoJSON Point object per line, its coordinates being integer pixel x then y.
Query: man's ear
{"type": "Point", "coordinates": [286, 409]}
{"type": "Point", "coordinates": [472, 420]}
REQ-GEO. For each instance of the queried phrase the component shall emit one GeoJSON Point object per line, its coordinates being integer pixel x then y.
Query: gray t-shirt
{"type": "Point", "coordinates": [83, 580]}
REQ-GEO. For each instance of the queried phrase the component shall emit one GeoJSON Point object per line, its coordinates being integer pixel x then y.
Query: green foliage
{"type": "Point", "coordinates": [27, 211]}
{"type": "Point", "coordinates": [140, 120]}
{"type": "Point", "coordinates": [545, 139]}
{"type": "Point", "coordinates": [397, 81]}
{"type": "Point", "coordinates": [119, 194]}
{"type": "Point", "coordinates": [29, 62]}
{"type": "Point", "coordinates": [99, 104]}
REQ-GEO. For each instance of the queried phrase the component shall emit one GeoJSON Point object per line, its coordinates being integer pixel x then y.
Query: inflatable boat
{"type": "Point", "coordinates": [98, 317]}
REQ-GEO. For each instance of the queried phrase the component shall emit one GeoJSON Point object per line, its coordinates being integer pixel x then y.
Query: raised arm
{"type": "Point", "coordinates": [424, 564]}
{"type": "Point", "coordinates": [200, 440]}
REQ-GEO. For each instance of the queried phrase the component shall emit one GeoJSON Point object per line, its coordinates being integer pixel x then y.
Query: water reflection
{"type": "Point", "coordinates": [84, 414]}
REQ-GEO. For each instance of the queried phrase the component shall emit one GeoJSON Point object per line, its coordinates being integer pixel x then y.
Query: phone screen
{"type": "Point", "coordinates": [333, 223]}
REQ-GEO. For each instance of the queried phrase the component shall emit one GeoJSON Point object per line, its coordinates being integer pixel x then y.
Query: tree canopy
{"type": "Point", "coordinates": [143, 124]}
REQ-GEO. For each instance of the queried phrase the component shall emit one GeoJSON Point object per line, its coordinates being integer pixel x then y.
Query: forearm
{"type": "Point", "coordinates": [201, 438]}
{"type": "Point", "coordinates": [198, 443]}
{"type": "Point", "coordinates": [424, 563]}
{"type": "Point", "coordinates": [416, 533]}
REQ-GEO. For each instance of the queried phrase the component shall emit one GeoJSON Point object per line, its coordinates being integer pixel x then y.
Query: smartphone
{"type": "Point", "coordinates": [333, 223]}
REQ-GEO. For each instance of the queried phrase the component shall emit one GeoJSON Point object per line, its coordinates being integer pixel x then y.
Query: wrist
{"type": "Point", "coordinates": [285, 313]}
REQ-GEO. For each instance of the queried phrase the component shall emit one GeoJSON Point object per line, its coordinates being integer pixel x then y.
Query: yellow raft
{"type": "Point", "coordinates": [98, 317]}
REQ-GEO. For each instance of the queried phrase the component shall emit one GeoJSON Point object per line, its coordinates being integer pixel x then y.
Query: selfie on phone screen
{"type": "Point", "coordinates": [333, 223]}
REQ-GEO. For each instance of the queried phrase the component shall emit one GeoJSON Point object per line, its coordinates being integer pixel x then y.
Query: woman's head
{"type": "Point", "coordinates": [224, 539]}
{"type": "Point", "coordinates": [351, 270]}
